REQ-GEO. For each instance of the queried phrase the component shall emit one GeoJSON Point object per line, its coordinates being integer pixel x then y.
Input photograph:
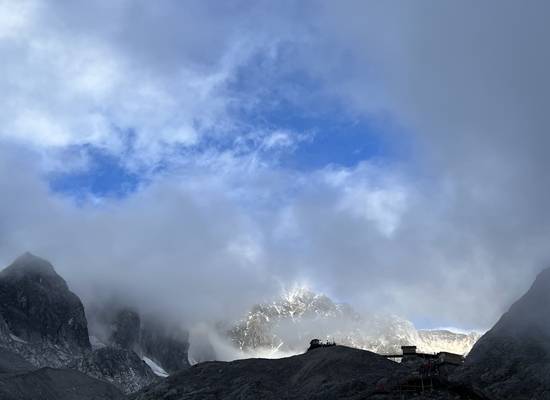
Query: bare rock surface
{"type": "Point", "coordinates": [512, 360]}
{"type": "Point", "coordinates": [41, 318]}
{"type": "Point", "coordinates": [121, 367]}
{"type": "Point", "coordinates": [167, 346]}
{"type": "Point", "coordinates": [324, 373]}
{"type": "Point", "coordinates": [124, 328]}
{"type": "Point", "coordinates": [43, 323]}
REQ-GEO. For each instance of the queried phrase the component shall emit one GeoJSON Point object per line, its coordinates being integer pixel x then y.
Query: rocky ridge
{"type": "Point", "coordinates": [301, 314]}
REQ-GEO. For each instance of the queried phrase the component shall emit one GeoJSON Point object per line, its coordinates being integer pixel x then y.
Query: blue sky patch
{"type": "Point", "coordinates": [105, 177]}
{"type": "Point", "coordinates": [292, 102]}
{"type": "Point", "coordinates": [296, 102]}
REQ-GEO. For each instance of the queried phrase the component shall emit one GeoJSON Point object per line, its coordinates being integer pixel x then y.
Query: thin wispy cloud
{"type": "Point", "coordinates": [208, 153]}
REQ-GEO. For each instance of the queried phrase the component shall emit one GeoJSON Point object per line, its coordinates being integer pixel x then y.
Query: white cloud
{"type": "Point", "coordinates": [16, 17]}
{"type": "Point", "coordinates": [461, 218]}
{"type": "Point", "coordinates": [370, 193]}
{"type": "Point", "coordinates": [64, 87]}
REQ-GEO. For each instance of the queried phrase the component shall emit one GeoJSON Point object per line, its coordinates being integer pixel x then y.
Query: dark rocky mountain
{"type": "Point", "coordinates": [121, 367]}
{"type": "Point", "coordinates": [512, 360]}
{"type": "Point", "coordinates": [325, 373]}
{"type": "Point", "coordinates": [166, 346]}
{"type": "Point", "coordinates": [43, 322]}
{"type": "Point", "coordinates": [5, 336]}
{"type": "Point", "coordinates": [46, 321]}
{"type": "Point", "coordinates": [126, 330]}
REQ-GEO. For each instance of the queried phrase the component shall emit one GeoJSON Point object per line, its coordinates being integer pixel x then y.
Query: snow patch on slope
{"type": "Point", "coordinates": [17, 339]}
{"type": "Point", "coordinates": [156, 369]}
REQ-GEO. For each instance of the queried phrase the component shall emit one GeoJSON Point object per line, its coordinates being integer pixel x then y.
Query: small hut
{"type": "Point", "coordinates": [408, 350]}
{"type": "Point", "coordinates": [450, 358]}
{"type": "Point", "coordinates": [314, 344]}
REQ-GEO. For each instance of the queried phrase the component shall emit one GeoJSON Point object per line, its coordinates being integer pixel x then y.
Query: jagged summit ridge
{"type": "Point", "coordinates": [301, 302]}
{"type": "Point", "coordinates": [300, 313]}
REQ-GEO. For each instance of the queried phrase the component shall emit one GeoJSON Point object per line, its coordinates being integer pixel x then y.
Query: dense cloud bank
{"type": "Point", "coordinates": [447, 228]}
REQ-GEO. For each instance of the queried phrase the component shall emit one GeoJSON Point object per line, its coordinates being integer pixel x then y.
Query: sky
{"type": "Point", "coordinates": [199, 156]}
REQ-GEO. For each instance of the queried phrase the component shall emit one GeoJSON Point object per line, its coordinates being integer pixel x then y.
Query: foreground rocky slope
{"type": "Point", "coordinates": [19, 379]}
{"type": "Point", "coordinates": [512, 360]}
{"type": "Point", "coordinates": [325, 373]}
{"type": "Point", "coordinates": [301, 313]}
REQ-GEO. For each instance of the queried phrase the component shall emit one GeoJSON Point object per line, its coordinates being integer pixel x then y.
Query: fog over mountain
{"type": "Point", "coordinates": [47, 351]}
{"type": "Point", "coordinates": [193, 159]}
{"type": "Point", "coordinates": [283, 327]}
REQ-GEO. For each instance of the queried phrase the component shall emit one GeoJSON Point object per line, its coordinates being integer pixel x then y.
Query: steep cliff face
{"type": "Point", "coordinates": [41, 312]}
{"type": "Point", "coordinates": [166, 346]}
{"type": "Point", "coordinates": [5, 337]}
{"type": "Point", "coordinates": [126, 329]}
{"type": "Point", "coordinates": [301, 315]}
{"type": "Point", "coordinates": [513, 359]}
